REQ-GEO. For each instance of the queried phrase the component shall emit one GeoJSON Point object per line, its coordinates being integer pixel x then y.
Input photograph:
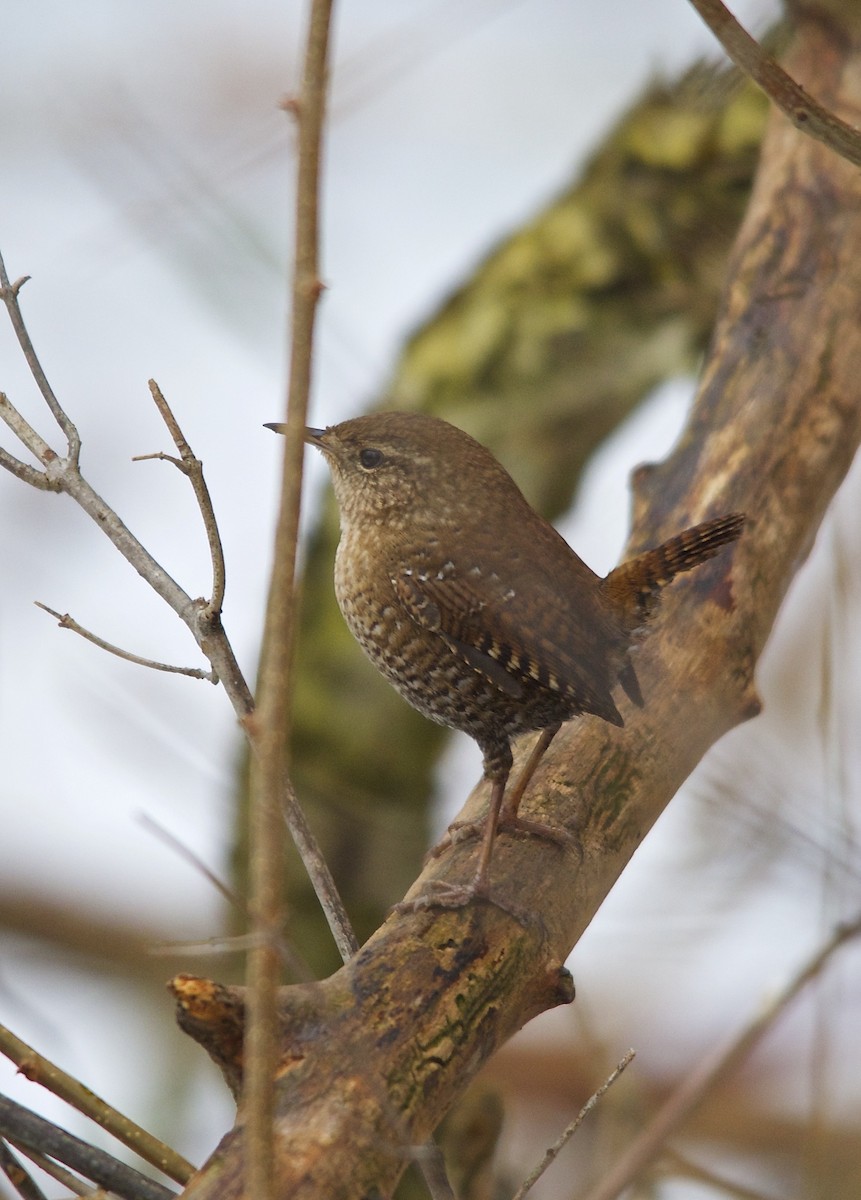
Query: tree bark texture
{"type": "Point", "coordinates": [372, 1057]}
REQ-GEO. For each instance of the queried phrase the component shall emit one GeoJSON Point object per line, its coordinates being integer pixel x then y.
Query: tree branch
{"type": "Point", "coordinates": [270, 726]}
{"type": "Point", "coordinates": [39, 1069]}
{"type": "Point", "coordinates": [67, 622]}
{"type": "Point", "coordinates": [569, 1131]}
{"type": "Point", "coordinates": [715, 1067]}
{"type": "Point", "coordinates": [794, 102]}
{"type": "Point", "coordinates": [27, 1130]}
{"type": "Point", "coordinates": [203, 618]}
{"type": "Point", "coordinates": [372, 1057]}
{"type": "Point", "coordinates": [192, 467]}
{"type": "Point", "coordinates": [9, 295]}
{"type": "Point", "coordinates": [22, 1182]}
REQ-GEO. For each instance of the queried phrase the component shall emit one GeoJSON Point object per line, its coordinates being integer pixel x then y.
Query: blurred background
{"type": "Point", "coordinates": [147, 189]}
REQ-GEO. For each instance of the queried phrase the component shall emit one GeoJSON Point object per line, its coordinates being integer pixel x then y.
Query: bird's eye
{"type": "Point", "coordinates": [370, 457]}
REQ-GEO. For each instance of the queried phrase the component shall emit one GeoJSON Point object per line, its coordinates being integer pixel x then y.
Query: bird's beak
{"type": "Point", "coordinates": [312, 436]}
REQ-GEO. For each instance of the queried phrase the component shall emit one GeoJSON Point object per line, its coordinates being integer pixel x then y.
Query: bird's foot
{"type": "Point", "coordinates": [438, 893]}
{"type": "Point", "coordinates": [460, 831]}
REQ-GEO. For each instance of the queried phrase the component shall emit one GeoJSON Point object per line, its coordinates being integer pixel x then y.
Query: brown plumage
{"type": "Point", "coordinates": [472, 605]}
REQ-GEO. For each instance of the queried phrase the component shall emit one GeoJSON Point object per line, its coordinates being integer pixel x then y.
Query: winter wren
{"type": "Point", "coordinates": [473, 606]}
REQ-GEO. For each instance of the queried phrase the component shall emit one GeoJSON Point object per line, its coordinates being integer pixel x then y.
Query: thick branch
{"type": "Point", "coordinates": [373, 1057]}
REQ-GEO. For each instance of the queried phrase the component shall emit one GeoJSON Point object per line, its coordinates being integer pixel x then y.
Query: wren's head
{"type": "Point", "coordinates": [396, 468]}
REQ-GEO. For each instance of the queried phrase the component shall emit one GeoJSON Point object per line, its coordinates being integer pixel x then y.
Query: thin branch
{"type": "Point", "coordinates": [319, 874]}
{"type": "Point", "coordinates": [67, 622]}
{"type": "Point", "coordinates": [713, 1068]}
{"type": "Point", "coordinates": [794, 102]}
{"type": "Point", "coordinates": [185, 852]}
{"type": "Point", "coordinates": [64, 475]}
{"type": "Point", "coordinates": [295, 964]}
{"type": "Point", "coordinates": [30, 1131]}
{"type": "Point", "coordinates": [238, 943]}
{"type": "Point", "coordinates": [75, 1185]}
{"type": "Point", "coordinates": [34, 442]}
{"type": "Point", "coordinates": [20, 1179]}
{"type": "Point", "coordinates": [191, 466]}
{"type": "Point", "coordinates": [9, 295]}
{"type": "Point", "coordinates": [569, 1131]}
{"type": "Point", "coordinates": [21, 470]}
{"type": "Point", "coordinates": [430, 1161]}
{"type": "Point", "coordinates": [201, 618]}
{"type": "Point", "coordinates": [38, 1069]}
{"type": "Point", "coordinates": [271, 725]}
{"type": "Point", "coordinates": [720, 1184]}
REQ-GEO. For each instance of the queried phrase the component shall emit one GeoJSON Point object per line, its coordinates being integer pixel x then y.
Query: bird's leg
{"type": "Point", "coordinates": [507, 816]}
{"type": "Point", "coordinates": [440, 893]}
{"type": "Point", "coordinates": [502, 813]}
{"type": "Point", "coordinates": [491, 823]}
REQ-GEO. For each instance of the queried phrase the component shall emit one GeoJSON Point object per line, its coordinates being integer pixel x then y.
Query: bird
{"type": "Point", "coordinates": [475, 608]}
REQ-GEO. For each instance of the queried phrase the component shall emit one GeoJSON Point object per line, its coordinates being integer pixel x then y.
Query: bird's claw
{"type": "Point", "coordinates": [460, 831]}
{"type": "Point", "coordinates": [439, 893]}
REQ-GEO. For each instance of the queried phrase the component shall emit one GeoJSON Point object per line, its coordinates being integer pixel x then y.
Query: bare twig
{"type": "Point", "coordinates": [569, 1131]}
{"type": "Point", "coordinates": [185, 852]}
{"type": "Point", "coordinates": [238, 943]}
{"type": "Point", "coordinates": [9, 294]}
{"type": "Point", "coordinates": [191, 466]}
{"type": "Point", "coordinates": [201, 617]}
{"type": "Point", "coordinates": [41, 1070]}
{"type": "Point", "coordinates": [295, 964]}
{"type": "Point", "coordinates": [30, 1131]}
{"type": "Point", "coordinates": [20, 1179]}
{"type": "Point", "coordinates": [67, 622]}
{"type": "Point", "coordinates": [794, 102]}
{"type": "Point", "coordinates": [75, 1185]}
{"type": "Point", "coordinates": [713, 1068]}
{"type": "Point", "coordinates": [720, 1184]}
{"type": "Point", "coordinates": [271, 724]}
{"type": "Point", "coordinates": [63, 475]}
{"type": "Point", "coordinates": [34, 442]}
{"type": "Point", "coordinates": [319, 874]}
{"type": "Point", "coordinates": [22, 470]}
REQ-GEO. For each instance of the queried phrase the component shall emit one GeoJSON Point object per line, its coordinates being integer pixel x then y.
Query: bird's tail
{"type": "Point", "coordinates": [634, 587]}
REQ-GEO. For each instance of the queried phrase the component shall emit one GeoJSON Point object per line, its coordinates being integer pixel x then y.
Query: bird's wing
{"type": "Point", "coordinates": [518, 632]}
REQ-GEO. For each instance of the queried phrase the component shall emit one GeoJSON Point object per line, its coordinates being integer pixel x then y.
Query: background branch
{"type": "Point", "coordinates": [711, 1071]}
{"type": "Point", "coordinates": [18, 1176]}
{"type": "Point", "coordinates": [40, 1070]}
{"type": "Point", "coordinates": [29, 1131]}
